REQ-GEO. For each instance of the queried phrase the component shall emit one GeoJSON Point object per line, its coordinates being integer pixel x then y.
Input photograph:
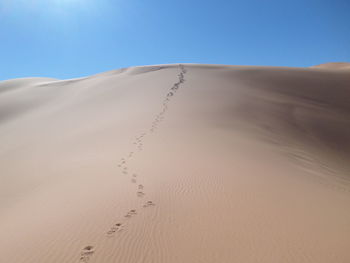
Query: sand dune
{"type": "Point", "coordinates": [334, 65]}
{"type": "Point", "coordinates": [177, 163]}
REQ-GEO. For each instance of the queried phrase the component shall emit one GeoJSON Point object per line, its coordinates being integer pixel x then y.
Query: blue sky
{"type": "Point", "coordinates": [74, 38]}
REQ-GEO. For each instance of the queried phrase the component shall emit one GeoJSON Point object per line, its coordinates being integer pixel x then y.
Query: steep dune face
{"type": "Point", "coordinates": [177, 163]}
{"type": "Point", "coordinates": [309, 106]}
{"type": "Point", "coordinates": [281, 104]}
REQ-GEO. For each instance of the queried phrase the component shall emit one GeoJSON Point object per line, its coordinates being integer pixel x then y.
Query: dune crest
{"type": "Point", "coordinates": [334, 65]}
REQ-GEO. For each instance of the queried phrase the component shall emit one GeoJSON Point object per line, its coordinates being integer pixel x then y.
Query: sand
{"type": "Point", "coordinates": [177, 163]}
{"type": "Point", "coordinates": [334, 65]}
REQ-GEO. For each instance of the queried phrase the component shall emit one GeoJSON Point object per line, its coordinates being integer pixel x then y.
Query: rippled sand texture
{"type": "Point", "coordinates": [177, 163]}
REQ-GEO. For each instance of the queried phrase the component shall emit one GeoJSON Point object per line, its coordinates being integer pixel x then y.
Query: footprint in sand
{"type": "Point", "coordinates": [86, 253]}
{"type": "Point", "coordinates": [175, 87]}
{"type": "Point", "coordinates": [140, 187]}
{"type": "Point", "coordinates": [116, 228]}
{"type": "Point", "coordinates": [140, 194]}
{"type": "Point", "coordinates": [148, 204]}
{"type": "Point", "coordinates": [130, 213]}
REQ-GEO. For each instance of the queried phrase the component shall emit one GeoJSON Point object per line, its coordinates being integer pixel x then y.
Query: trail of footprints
{"type": "Point", "coordinates": [88, 251]}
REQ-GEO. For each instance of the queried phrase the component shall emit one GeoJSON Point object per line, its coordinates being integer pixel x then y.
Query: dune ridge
{"type": "Point", "coordinates": [334, 65]}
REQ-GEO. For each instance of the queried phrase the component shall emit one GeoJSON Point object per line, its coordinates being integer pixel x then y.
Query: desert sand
{"type": "Point", "coordinates": [177, 163]}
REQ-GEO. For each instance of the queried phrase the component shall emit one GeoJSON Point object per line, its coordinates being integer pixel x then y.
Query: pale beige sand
{"type": "Point", "coordinates": [334, 65]}
{"type": "Point", "coordinates": [241, 164]}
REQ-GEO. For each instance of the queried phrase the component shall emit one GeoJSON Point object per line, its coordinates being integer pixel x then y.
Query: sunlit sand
{"type": "Point", "coordinates": [177, 163]}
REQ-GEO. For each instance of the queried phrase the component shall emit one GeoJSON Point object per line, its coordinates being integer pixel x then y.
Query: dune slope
{"type": "Point", "coordinates": [177, 163]}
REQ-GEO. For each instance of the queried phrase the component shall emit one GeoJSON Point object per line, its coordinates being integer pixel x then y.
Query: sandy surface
{"type": "Point", "coordinates": [171, 163]}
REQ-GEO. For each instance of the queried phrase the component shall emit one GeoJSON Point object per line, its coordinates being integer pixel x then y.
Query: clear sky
{"type": "Point", "coordinates": [74, 38]}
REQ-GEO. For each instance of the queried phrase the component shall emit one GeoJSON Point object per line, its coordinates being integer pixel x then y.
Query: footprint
{"type": "Point", "coordinates": [116, 228]}
{"type": "Point", "coordinates": [130, 213]}
{"type": "Point", "coordinates": [140, 194]}
{"type": "Point", "coordinates": [148, 204]}
{"type": "Point", "coordinates": [175, 87]}
{"type": "Point", "coordinates": [110, 232]}
{"type": "Point", "coordinates": [86, 253]}
{"type": "Point", "coordinates": [140, 186]}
